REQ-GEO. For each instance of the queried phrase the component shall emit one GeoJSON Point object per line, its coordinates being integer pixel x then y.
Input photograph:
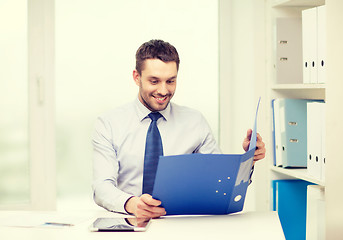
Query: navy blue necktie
{"type": "Point", "coordinates": [153, 150]}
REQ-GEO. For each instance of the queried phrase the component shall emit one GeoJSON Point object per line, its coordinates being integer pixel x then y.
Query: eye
{"type": "Point", "coordinates": [154, 82]}
{"type": "Point", "coordinates": [170, 81]}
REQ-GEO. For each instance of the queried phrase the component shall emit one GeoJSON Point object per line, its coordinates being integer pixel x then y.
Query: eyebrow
{"type": "Point", "coordinates": [157, 78]}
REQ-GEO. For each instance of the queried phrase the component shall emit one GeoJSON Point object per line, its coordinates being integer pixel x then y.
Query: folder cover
{"type": "Point", "coordinates": [277, 132]}
{"type": "Point", "coordinates": [321, 27]}
{"type": "Point", "coordinates": [314, 139]}
{"type": "Point", "coordinates": [290, 197]}
{"type": "Point", "coordinates": [293, 117]}
{"type": "Point", "coordinates": [288, 51]}
{"type": "Point", "coordinates": [204, 183]}
{"type": "Point", "coordinates": [309, 35]}
{"type": "Point", "coordinates": [315, 222]}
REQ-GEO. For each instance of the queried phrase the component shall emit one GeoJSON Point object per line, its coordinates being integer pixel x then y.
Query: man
{"type": "Point", "coordinates": [121, 139]}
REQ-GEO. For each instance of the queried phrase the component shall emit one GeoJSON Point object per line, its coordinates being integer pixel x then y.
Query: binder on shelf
{"type": "Point", "coordinates": [309, 46]}
{"type": "Point", "coordinates": [277, 133]}
{"type": "Point", "coordinates": [289, 200]}
{"type": "Point", "coordinates": [321, 28]}
{"type": "Point", "coordinates": [314, 44]}
{"type": "Point", "coordinates": [293, 124]}
{"type": "Point", "coordinates": [314, 134]}
{"type": "Point", "coordinates": [315, 222]}
{"type": "Point", "coordinates": [316, 140]}
{"type": "Point", "coordinates": [288, 50]}
{"type": "Point", "coordinates": [323, 156]}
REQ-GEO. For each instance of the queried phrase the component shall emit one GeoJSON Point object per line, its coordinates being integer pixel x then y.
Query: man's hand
{"type": "Point", "coordinates": [144, 207]}
{"type": "Point", "coordinates": [260, 152]}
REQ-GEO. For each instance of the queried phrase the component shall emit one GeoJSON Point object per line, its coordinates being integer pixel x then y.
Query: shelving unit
{"type": "Point", "coordinates": [286, 9]}
{"type": "Point", "coordinates": [331, 92]}
{"type": "Point", "coordinates": [289, 9]}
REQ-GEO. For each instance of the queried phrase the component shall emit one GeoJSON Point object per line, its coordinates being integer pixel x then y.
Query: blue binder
{"type": "Point", "coordinates": [294, 132]}
{"type": "Point", "coordinates": [289, 200]}
{"type": "Point", "coordinates": [204, 183]}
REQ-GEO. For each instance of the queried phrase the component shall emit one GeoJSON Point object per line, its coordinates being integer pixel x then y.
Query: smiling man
{"type": "Point", "coordinates": [129, 139]}
{"type": "Point", "coordinates": [157, 83]}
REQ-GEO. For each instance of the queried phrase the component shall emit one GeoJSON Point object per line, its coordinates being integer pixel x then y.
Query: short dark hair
{"type": "Point", "coordinates": [153, 49]}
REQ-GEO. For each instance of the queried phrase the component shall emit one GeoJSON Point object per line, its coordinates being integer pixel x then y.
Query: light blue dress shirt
{"type": "Point", "coordinates": [119, 145]}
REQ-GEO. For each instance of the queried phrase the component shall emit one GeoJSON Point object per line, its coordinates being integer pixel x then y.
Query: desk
{"type": "Point", "coordinates": [248, 225]}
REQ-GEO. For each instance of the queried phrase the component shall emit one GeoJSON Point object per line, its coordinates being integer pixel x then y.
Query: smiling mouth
{"type": "Point", "coordinates": [161, 99]}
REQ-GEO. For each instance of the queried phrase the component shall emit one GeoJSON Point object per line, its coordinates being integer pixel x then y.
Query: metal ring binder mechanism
{"type": "Point", "coordinates": [204, 183]}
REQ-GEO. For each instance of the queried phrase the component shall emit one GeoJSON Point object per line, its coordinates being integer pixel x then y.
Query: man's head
{"type": "Point", "coordinates": [157, 64]}
{"type": "Point", "coordinates": [156, 49]}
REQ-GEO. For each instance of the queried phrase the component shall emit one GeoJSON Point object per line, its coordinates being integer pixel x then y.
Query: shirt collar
{"type": "Point", "coordinates": [143, 112]}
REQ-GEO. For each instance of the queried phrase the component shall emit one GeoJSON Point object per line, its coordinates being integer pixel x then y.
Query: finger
{"type": "Point", "coordinates": [259, 137]}
{"type": "Point", "coordinates": [151, 213]}
{"type": "Point", "coordinates": [260, 145]}
{"type": "Point", "coordinates": [260, 150]}
{"type": "Point", "coordinates": [259, 157]}
{"type": "Point", "coordinates": [249, 132]}
{"type": "Point", "coordinates": [148, 213]}
{"type": "Point", "coordinates": [145, 204]}
{"type": "Point", "coordinates": [157, 215]}
{"type": "Point", "coordinates": [147, 199]}
{"type": "Point", "coordinates": [259, 154]}
{"type": "Point", "coordinates": [142, 206]}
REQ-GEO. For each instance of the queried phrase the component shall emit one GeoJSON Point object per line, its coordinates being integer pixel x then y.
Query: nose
{"type": "Point", "coordinates": [162, 89]}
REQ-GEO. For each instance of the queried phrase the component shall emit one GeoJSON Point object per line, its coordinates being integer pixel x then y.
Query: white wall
{"type": "Point", "coordinates": [242, 64]}
{"type": "Point", "coordinates": [334, 118]}
{"type": "Point", "coordinates": [95, 48]}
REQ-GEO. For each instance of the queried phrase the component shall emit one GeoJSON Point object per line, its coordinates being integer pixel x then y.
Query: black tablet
{"type": "Point", "coordinates": [120, 224]}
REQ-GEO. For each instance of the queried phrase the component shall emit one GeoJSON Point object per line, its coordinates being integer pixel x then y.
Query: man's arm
{"type": "Point", "coordinates": [105, 171]}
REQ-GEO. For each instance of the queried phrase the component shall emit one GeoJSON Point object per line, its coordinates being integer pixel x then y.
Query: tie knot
{"type": "Point", "coordinates": [155, 116]}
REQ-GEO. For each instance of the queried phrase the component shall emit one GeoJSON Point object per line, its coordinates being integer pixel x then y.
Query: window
{"type": "Point", "coordinates": [27, 157]}
{"type": "Point", "coordinates": [14, 120]}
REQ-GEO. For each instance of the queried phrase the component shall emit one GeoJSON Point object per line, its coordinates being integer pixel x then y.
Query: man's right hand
{"type": "Point", "coordinates": [144, 206]}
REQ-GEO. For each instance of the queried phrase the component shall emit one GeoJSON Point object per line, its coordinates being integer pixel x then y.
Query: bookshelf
{"type": "Point", "coordinates": [291, 9]}
{"type": "Point", "coordinates": [275, 10]}
{"type": "Point", "coordinates": [331, 92]}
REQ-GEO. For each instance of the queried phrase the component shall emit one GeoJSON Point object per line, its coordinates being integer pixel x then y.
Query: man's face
{"type": "Point", "coordinates": [157, 83]}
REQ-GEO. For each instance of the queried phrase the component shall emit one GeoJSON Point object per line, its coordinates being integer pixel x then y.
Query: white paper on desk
{"type": "Point", "coordinates": [34, 219]}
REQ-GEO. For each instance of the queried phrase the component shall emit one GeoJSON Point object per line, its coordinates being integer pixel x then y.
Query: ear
{"type": "Point", "coordinates": [136, 77]}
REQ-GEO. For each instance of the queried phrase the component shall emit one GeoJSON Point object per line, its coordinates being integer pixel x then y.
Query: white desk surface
{"type": "Point", "coordinates": [248, 225]}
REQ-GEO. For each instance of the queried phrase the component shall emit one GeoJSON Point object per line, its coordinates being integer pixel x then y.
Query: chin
{"type": "Point", "coordinates": [157, 109]}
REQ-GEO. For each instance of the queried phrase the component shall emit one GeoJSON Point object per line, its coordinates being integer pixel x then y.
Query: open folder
{"type": "Point", "coordinates": [204, 183]}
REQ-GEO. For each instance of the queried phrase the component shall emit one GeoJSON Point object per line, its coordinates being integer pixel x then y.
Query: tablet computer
{"type": "Point", "coordinates": [120, 225]}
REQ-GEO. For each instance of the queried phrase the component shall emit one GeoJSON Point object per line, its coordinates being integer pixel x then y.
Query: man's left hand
{"type": "Point", "coordinates": [260, 152]}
